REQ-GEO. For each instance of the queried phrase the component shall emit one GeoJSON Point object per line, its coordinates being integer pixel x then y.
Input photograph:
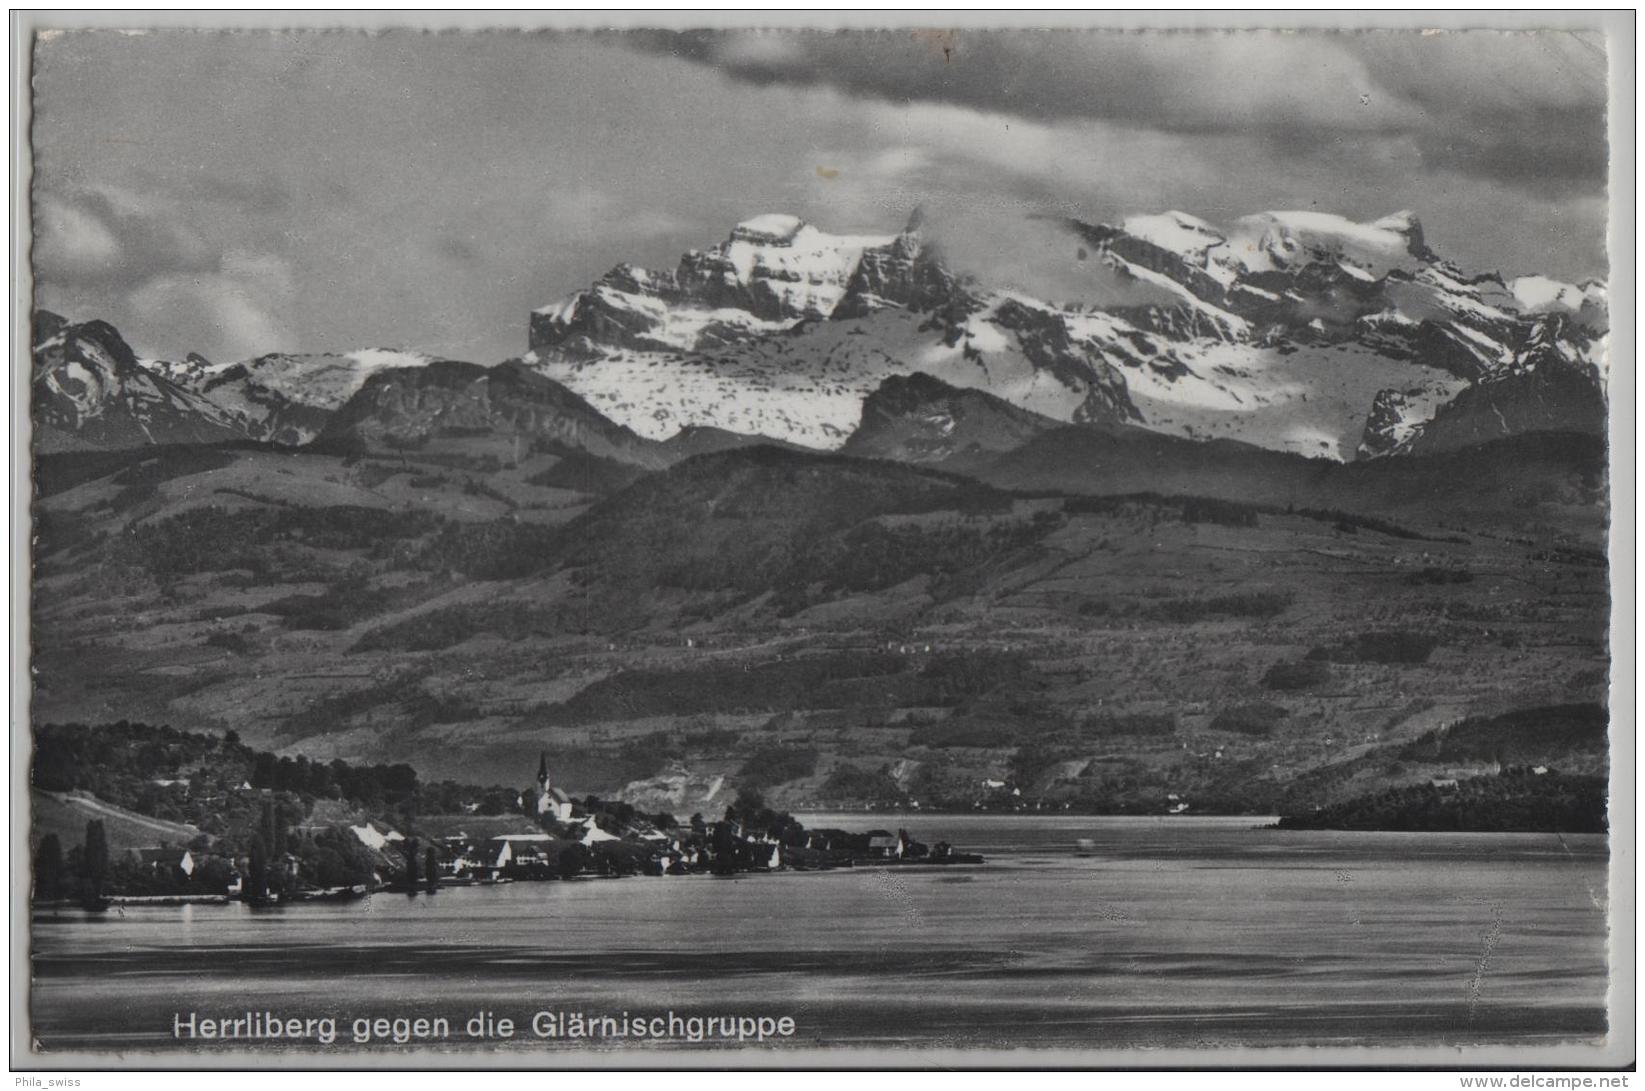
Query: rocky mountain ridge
{"type": "Point", "coordinates": [1291, 331]}
{"type": "Point", "coordinates": [284, 398]}
{"type": "Point", "coordinates": [1294, 331]}
{"type": "Point", "coordinates": [90, 391]}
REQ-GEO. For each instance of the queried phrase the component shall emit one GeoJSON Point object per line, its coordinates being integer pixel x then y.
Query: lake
{"type": "Point", "coordinates": [1177, 932]}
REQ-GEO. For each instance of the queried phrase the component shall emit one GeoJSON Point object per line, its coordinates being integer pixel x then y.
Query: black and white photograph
{"type": "Point", "coordinates": [658, 541]}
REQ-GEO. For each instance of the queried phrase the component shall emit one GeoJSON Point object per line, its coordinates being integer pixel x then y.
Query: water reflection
{"type": "Point", "coordinates": [1170, 932]}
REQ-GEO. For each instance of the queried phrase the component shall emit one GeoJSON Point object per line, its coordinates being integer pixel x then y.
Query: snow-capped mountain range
{"type": "Point", "coordinates": [1293, 331]}
{"type": "Point", "coordinates": [281, 397]}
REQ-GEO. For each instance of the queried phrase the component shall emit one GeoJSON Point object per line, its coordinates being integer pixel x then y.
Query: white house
{"type": "Point", "coordinates": [520, 848]}
{"type": "Point", "coordinates": [592, 834]}
{"type": "Point", "coordinates": [165, 860]}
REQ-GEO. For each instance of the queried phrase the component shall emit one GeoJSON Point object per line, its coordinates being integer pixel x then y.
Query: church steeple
{"type": "Point", "coordinates": [549, 800]}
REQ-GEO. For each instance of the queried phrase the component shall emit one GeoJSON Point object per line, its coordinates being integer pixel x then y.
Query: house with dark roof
{"type": "Point", "coordinates": [884, 843]}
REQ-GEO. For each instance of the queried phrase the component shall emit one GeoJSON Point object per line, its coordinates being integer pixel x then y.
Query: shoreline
{"type": "Point", "coordinates": [963, 863]}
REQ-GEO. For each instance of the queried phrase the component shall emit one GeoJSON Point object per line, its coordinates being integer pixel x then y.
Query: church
{"type": "Point", "coordinates": [547, 799]}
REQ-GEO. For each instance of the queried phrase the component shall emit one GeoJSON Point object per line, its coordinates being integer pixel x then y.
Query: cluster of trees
{"type": "Point", "coordinates": [772, 765]}
{"type": "Point", "coordinates": [873, 555]}
{"type": "Point", "coordinates": [342, 605]}
{"type": "Point", "coordinates": [121, 763]}
{"type": "Point", "coordinates": [1532, 735]}
{"type": "Point", "coordinates": [1514, 801]}
{"type": "Point", "coordinates": [368, 785]}
{"type": "Point", "coordinates": [1352, 523]}
{"type": "Point", "coordinates": [750, 810]}
{"type": "Point", "coordinates": [214, 539]}
{"type": "Point", "coordinates": [1251, 718]}
{"type": "Point", "coordinates": [90, 871]}
{"type": "Point", "coordinates": [852, 782]}
{"type": "Point", "coordinates": [1191, 509]}
{"type": "Point", "coordinates": [501, 549]}
{"type": "Point", "coordinates": [325, 713]}
{"type": "Point", "coordinates": [1199, 509]}
{"type": "Point", "coordinates": [81, 873]}
{"type": "Point", "coordinates": [1308, 674]}
{"type": "Point", "coordinates": [330, 857]}
{"type": "Point", "coordinates": [586, 473]}
{"type": "Point", "coordinates": [449, 797]}
{"type": "Point", "coordinates": [58, 471]}
{"type": "Point", "coordinates": [1034, 758]}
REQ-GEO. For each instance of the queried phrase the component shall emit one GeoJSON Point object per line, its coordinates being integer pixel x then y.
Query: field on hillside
{"type": "Point", "coordinates": [834, 632]}
{"type": "Point", "coordinates": [66, 815]}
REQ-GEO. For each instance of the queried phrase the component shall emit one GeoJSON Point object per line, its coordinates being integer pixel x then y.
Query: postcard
{"type": "Point", "coordinates": [661, 541]}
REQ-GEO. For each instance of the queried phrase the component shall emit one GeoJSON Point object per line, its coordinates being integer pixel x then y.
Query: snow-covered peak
{"type": "Point", "coordinates": [1403, 222]}
{"type": "Point", "coordinates": [1267, 242]}
{"type": "Point", "coordinates": [785, 248]}
{"type": "Point", "coordinates": [282, 396]}
{"type": "Point", "coordinates": [773, 228]}
{"type": "Point", "coordinates": [1542, 295]}
{"type": "Point", "coordinates": [1281, 328]}
{"type": "Point", "coordinates": [380, 359]}
{"type": "Point", "coordinates": [771, 272]}
{"type": "Point", "coordinates": [326, 380]}
{"type": "Point", "coordinates": [1270, 241]}
{"type": "Point", "coordinates": [1177, 232]}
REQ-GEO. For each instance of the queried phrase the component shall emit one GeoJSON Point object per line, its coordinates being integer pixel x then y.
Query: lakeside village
{"type": "Point", "coordinates": [273, 844]}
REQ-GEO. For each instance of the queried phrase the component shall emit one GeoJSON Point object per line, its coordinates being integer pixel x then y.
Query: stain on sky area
{"type": "Point", "coordinates": [945, 42]}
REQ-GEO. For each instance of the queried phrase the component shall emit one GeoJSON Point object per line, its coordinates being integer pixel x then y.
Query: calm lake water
{"type": "Point", "coordinates": [1177, 933]}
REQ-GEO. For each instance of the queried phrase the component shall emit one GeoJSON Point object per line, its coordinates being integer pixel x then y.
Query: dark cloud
{"type": "Point", "coordinates": [1527, 110]}
{"type": "Point", "coordinates": [1171, 81]}
{"type": "Point", "coordinates": [1549, 150]}
{"type": "Point", "coordinates": [233, 193]}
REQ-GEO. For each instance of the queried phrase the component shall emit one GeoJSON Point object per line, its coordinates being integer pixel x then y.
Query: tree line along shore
{"type": "Point", "coordinates": [238, 824]}
{"type": "Point", "coordinates": [131, 810]}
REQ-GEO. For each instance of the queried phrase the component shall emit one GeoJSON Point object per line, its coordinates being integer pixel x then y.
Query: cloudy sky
{"type": "Point", "coordinates": [235, 194]}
